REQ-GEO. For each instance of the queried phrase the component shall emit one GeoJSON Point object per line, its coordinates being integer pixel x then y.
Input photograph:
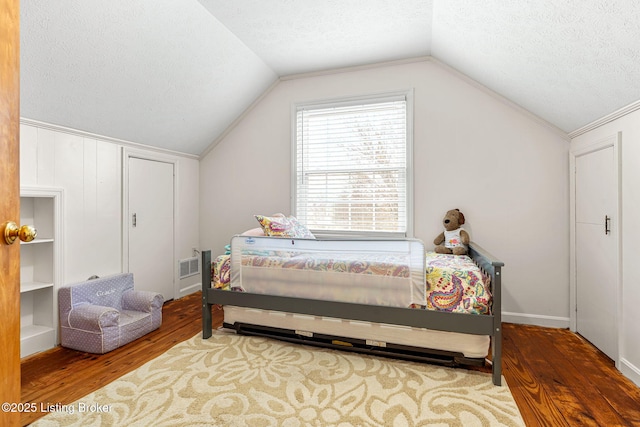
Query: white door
{"type": "Point", "coordinates": [150, 223]}
{"type": "Point", "coordinates": [596, 248]}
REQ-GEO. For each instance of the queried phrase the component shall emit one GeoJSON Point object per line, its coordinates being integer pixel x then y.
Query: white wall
{"type": "Point", "coordinates": [89, 169]}
{"type": "Point", "coordinates": [629, 336]}
{"type": "Point", "coordinates": [504, 169]}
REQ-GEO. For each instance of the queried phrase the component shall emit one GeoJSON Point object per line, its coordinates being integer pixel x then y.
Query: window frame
{"type": "Point", "coordinates": [355, 100]}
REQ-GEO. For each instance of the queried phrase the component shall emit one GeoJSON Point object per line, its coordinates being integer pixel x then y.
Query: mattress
{"type": "Point", "coordinates": [450, 283]}
{"type": "Point", "coordinates": [377, 334]}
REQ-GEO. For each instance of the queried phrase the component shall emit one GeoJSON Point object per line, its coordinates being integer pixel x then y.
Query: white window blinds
{"type": "Point", "coordinates": [351, 166]}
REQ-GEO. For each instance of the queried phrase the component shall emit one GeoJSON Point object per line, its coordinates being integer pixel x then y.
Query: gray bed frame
{"type": "Point", "coordinates": [436, 320]}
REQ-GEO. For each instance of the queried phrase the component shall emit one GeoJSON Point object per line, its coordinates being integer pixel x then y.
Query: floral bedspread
{"type": "Point", "coordinates": [454, 283]}
{"type": "Point", "coordinates": [221, 272]}
{"type": "Point", "coordinates": [387, 265]}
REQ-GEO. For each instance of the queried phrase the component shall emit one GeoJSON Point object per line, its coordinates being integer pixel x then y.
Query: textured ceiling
{"type": "Point", "coordinates": [296, 36]}
{"type": "Point", "coordinates": [176, 73]}
{"type": "Point", "coordinates": [161, 73]}
{"type": "Point", "coordinates": [568, 61]}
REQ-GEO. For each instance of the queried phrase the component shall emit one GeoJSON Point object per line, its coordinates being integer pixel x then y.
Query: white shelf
{"type": "Point", "coordinates": [40, 269]}
{"type": "Point", "coordinates": [34, 286]}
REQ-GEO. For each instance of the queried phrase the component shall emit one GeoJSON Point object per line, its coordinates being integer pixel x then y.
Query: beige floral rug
{"type": "Point", "coordinates": [231, 380]}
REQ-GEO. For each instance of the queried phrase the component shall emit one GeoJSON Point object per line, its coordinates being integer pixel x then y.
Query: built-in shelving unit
{"type": "Point", "coordinates": [40, 269]}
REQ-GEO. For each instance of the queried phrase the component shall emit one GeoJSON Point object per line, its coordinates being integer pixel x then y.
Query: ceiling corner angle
{"type": "Point", "coordinates": [238, 119]}
{"type": "Point", "coordinates": [555, 129]}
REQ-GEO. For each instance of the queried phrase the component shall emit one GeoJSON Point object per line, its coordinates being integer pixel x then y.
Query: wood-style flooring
{"type": "Point", "coordinates": [556, 377]}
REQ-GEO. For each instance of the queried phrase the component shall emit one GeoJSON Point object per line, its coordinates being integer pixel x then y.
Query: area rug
{"type": "Point", "coordinates": [231, 380]}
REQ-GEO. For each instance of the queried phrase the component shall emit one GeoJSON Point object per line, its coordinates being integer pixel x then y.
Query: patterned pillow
{"type": "Point", "coordinates": [258, 231]}
{"type": "Point", "coordinates": [281, 226]}
{"type": "Point", "coordinates": [300, 230]}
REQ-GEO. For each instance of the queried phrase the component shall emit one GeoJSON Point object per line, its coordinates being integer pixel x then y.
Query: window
{"type": "Point", "coordinates": [352, 165]}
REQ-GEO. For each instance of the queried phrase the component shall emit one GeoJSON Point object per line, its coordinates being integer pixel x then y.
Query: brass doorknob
{"type": "Point", "coordinates": [26, 233]}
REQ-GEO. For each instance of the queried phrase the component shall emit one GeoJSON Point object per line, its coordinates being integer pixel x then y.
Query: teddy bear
{"type": "Point", "coordinates": [453, 240]}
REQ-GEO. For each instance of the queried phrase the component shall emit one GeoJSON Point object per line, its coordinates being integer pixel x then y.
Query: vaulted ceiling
{"type": "Point", "coordinates": [176, 73]}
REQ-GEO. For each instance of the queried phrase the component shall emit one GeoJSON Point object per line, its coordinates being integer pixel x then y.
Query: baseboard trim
{"type": "Point", "coordinates": [190, 289]}
{"type": "Point", "coordinates": [536, 320]}
{"type": "Point", "coordinates": [630, 371]}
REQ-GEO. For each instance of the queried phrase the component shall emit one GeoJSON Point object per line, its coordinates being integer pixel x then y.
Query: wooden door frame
{"type": "Point", "coordinates": [615, 142]}
{"type": "Point", "coordinates": [128, 153]}
{"type": "Point", "coordinates": [10, 211]}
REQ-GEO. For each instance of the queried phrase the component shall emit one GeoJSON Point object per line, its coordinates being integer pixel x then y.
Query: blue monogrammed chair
{"type": "Point", "coordinates": [100, 315]}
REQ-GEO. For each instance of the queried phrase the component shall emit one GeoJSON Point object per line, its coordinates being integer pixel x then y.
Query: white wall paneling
{"type": "Point", "coordinates": [188, 219]}
{"type": "Point", "coordinates": [89, 172]}
{"type": "Point", "coordinates": [89, 169]}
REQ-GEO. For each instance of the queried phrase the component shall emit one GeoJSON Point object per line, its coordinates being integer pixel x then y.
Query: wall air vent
{"type": "Point", "coordinates": [189, 267]}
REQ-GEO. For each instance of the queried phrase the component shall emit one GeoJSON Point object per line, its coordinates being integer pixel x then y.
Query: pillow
{"type": "Point", "coordinates": [258, 231]}
{"type": "Point", "coordinates": [281, 226]}
{"type": "Point", "coordinates": [300, 230]}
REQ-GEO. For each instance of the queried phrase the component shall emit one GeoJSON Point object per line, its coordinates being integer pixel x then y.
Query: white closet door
{"type": "Point", "coordinates": [596, 249]}
{"type": "Point", "coordinates": [151, 223]}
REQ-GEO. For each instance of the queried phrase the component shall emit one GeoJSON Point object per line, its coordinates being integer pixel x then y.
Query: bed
{"type": "Point", "coordinates": [384, 297]}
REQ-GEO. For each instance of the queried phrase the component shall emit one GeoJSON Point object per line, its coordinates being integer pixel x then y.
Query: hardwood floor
{"type": "Point", "coordinates": [556, 377]}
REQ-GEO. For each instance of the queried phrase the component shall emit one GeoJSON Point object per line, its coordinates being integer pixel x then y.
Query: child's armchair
{"type": "Point", "coordinates": [100, 315]}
